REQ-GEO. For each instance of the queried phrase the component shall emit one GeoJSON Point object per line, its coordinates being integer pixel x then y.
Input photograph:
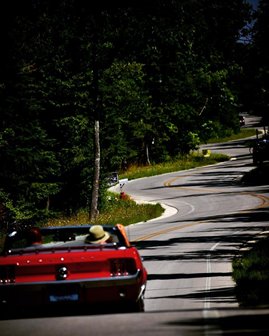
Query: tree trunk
{"type": "Point", "coordinates": [95, 187]}
{"type": "Point", "coordinates": [147, 154]}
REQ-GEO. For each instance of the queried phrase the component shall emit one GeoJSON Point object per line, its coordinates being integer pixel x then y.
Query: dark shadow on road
{"type": "Point", "coordinates": [240, 322]}
{"type": "Point", "coordinates": [242, 234]}
{"type": "Point", "coordinates": [219, 294]}
{"type": "Point", "coordinates": [186, 276]}
{"type": "Point", "coordinates": [63, 310]}
{"type": "Point", "coordinates": [224, 175]}
{"type": "Point", "coordinates": [221, 255]}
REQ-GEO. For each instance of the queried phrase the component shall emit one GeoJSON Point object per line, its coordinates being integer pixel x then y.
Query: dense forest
{"type": "Point", "coordinates": [146, 81]}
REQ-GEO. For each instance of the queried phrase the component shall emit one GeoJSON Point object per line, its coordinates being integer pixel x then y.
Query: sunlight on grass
{"type": "Point", "coordinates": [123, 211]}
{"type": "Point", "coordinates": [244, 133]}
{"type": "Point", "coordinates": [190, 161]}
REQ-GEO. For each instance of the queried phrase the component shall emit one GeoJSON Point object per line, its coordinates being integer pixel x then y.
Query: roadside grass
{"type": "Point", "coordinates": [251, 274]}
{"type": "Point", "coordinates": [193, 160]}
{"type": "Point", "coordinates": [117, 210]}
{"type": "Point", "coordinates": [244, 133]}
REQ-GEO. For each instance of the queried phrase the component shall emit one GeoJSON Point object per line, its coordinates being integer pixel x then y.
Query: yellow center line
{"type": "Point", "coordinates": [164, 231]}
{"type": "Point", "coordinates": [264, 199]}
{"type": "Point", "coordinates": [169, 182]}
{"type": "Point", "coordinates": [264, 203]}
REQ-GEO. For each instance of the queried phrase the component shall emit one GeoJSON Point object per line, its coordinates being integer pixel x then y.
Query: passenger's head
{"type": "Point", "coordinates": [34, 236]}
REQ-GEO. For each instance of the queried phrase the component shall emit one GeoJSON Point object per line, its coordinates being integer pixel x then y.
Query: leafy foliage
{"type": "Point", "coordinates": [250, 272]}
{"type": "Point", "coordinates": [159, 76]}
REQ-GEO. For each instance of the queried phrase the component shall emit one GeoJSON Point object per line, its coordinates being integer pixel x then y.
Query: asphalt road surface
{"type": "Point", "coordinates": [210, 217]}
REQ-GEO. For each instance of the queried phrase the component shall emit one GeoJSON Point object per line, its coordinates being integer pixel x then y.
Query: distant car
{"type": "Point", "coordinates": [112, 179]}
{"type": "Point", "coordinates": [62, 268]}
{"type": "Point", "coordinates": [242, 121]}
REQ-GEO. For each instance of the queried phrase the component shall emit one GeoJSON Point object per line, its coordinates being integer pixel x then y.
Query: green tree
{"type": "Point", "coordinates": [260, 61]}
{"type": "Point", "coordinates": [46, 106]}
{"type": "Point", "coordinates": [126, 109]}
{"type": "Point", "coordinates": [154, 75]}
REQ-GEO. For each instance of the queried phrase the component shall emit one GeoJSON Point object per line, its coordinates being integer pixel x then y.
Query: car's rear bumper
{"type": "Point", "coordinates": [97, 290]}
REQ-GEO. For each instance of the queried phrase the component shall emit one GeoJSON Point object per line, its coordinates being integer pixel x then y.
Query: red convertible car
{"type": "Point", "coordinates": [71, 265]}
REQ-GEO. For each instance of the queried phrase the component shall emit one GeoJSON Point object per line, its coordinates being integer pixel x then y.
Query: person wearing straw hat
{"type": "Point", "coordinates": [97, 235]}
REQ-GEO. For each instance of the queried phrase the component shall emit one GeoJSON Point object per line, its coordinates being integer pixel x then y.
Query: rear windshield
{"type": "Point", "coordinates": [57, 238]}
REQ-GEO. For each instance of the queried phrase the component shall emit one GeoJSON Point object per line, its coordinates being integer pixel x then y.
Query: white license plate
{"type": "Point", "coordinates": [63, 298]}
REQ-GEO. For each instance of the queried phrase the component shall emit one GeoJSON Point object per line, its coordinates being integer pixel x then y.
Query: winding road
{"type": "Point", "coordinates": [188, 254]}
{"type": "Point", "coordinates": [210, 217]}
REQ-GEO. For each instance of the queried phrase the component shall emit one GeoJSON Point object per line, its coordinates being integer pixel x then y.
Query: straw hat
{"type": "Point", "coordinates": [97, 234]}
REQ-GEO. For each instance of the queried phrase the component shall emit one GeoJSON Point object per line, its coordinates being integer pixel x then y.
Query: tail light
{"type": "Point", "coordinates": [122, 267]}
{"type": "Point", "coordinates": [7, 274]}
